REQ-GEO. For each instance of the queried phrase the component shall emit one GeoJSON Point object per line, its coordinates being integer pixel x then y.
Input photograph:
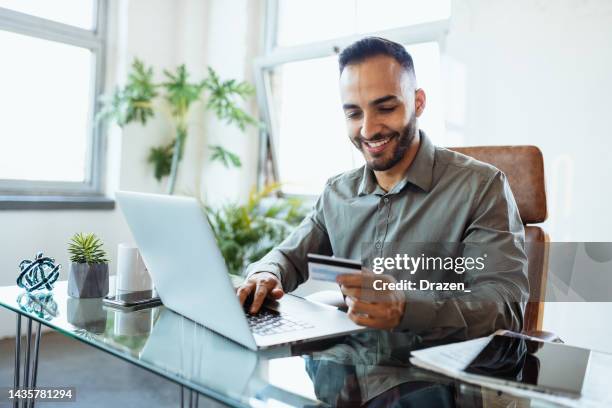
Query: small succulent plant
{"type": "Point", "coordinates": [86, 248]}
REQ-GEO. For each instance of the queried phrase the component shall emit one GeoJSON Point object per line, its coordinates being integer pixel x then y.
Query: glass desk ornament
{"type": "Point", "coordinates": [38, 275]}
{"type": "Point", "coordinates": [40, 304]}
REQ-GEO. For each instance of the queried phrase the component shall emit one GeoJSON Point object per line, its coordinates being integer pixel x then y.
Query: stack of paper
{"type": "Point", "coordinates": [452, 359]}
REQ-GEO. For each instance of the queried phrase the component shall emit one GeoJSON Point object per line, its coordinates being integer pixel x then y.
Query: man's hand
{"type": "Point", "coordinates": [379, 309]}
{"type": "Point", "coordinates": [261, 285]}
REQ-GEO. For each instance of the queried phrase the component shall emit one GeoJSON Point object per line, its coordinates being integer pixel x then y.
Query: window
{"type": "Point", "coordinates": [306, 142]}
{"type": "Point", "coordinates": [341, 18]}
{"type": "Point", "coordinates": [51, 75]}
{"type": "Point", "coordinates": [78, 13]}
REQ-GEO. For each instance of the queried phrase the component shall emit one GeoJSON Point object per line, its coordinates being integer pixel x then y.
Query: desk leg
{"type": "Point", "coordinates": [30, 368]}
{"type": "Point", "coordinates": [35, 360]}
{"type": "Point", "coordinates": [17, 358]}
{"type": "Point", "coordinates": [34, 369]}
{"type": "Point", "coordinates": [26, 368]}
{"type": "Point", "coordinates": [194, 397]}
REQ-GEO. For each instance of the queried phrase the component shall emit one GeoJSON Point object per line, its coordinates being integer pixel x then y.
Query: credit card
{"type": "Point", "coordinates": [326, 268]}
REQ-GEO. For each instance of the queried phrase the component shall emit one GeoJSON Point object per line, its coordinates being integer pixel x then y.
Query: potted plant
{"type": "Point", "coordinates": [246, 232]}
{"type": "Point", "coordinates": [135, 102]}
{"type": "Point", "coordinates": [88, 275]}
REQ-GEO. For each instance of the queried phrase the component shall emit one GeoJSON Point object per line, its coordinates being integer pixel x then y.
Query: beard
{"type": "Point", "coordinates": [386, 161]}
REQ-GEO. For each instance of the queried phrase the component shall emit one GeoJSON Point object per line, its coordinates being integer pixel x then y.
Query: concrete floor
{"type": "Point", "coordinates": [101, 380]}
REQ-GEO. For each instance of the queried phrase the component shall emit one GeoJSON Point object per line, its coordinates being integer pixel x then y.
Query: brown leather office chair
{"type": "Point", "coordinates": [524, 168]}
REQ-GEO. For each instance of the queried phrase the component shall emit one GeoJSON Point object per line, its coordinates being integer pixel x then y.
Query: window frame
{"type": "Point", "coordinates": [28, 194]}
{"type": "Point", "coordinates": [273, 56]}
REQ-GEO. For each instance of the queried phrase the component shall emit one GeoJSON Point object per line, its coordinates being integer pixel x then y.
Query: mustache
{"type": "Point", "coordinates": [377, 137]}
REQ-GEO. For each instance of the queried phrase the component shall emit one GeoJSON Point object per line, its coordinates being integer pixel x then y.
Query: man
{"type": "Point", "coordinates": [408, 191]}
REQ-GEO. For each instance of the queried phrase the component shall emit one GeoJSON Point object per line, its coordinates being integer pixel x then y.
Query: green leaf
{"type": "Point", "coordinates": [86, 248]}
{"type": "Point", "coordinates": [246, 232]}
{"type": "Point", "coordinates": [224, 97]}
{"type": "Point", "coordinates": [180, 93]}
{"type": "Point", "coordinates": [161, 159]}
{"type": "Point", "coordinates": [224, 156]}
{"type": "Point", "coordinates": [133, 102]}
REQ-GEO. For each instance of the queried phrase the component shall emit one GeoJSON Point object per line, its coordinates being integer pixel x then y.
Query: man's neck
{"type": "Point", "coordinates": [389, 178]}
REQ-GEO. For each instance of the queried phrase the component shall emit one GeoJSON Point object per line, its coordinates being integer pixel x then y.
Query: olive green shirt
{"type": "Point", "coordinates": [444, 197]}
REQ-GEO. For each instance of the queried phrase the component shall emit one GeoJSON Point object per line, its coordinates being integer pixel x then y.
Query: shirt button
{"type": "Point", "coordinates": [378, 245]}
{"type": "Point", "coordinates": [386, 200]}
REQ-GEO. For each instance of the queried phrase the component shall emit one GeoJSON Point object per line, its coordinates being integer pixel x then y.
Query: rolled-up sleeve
{"type": "Point", "coordinates": [498, 293]}
{"type": "Point", "coordinates": [288, 261]}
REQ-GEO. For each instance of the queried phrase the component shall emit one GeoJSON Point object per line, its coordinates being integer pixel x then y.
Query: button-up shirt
{"type": "Point", "coordinates": [444, 197]}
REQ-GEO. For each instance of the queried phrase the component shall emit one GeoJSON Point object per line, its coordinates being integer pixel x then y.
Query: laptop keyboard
{"type": "Point", "coordinates": [269, 322]}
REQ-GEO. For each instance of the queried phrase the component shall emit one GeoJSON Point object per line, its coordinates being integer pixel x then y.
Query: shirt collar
{"type": "Point", "coordinates": [420, 172]}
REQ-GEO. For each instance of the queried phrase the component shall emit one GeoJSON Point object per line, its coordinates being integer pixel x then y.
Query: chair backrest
{"type": "Point", "coordinates": [524, 168]}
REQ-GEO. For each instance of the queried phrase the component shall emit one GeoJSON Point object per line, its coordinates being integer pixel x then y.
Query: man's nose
{"type": "Point", "coordinates": [369, 127]}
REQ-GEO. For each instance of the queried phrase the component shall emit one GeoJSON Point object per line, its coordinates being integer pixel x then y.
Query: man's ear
{"type": "Point", "coordinates": [420, 100]}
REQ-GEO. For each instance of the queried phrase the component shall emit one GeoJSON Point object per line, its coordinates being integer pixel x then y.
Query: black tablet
{"type": "Point", "coordinates": [546, 367]}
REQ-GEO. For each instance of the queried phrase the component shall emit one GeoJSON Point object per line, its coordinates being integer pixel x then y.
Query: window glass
{"type": "Point", "coordinates": [312, 142]}
{"type": "Point", "coordinates": [377, 15]}
{"type": "Point", "coordinates": [301, 22]}
{"type": "Point", "coordinates": [78, 13]}
{"type": "Point", "coordinates": [46, 109]}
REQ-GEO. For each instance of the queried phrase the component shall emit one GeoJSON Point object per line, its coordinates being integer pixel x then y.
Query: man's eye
{"type": "Point", "coordinates": [352, 115]}
{"type": "Point", "coordinates": [387, 108]}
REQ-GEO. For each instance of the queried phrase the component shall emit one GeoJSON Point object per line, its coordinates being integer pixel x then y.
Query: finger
{"type": "Point", "coordinates": [367, 271]}
{"type": "Point", "coordinates": [349, 279]}
{"type": "Point", "coordinates": [277, 293]}
{"type": "Point", "coordinates": [362, 280]}
{"type": "Point", "coordinates": [349, 304]}
{"type": "Point", "coordinates": [354, 292]}
{"type": "Point", "coordinates": [260, 295]}
{"type": "Point", "coordinates": [245, 290]}
{"type": "Point", "coordinates": [275, 289]}
{"type": "Point", "coordinates": [365, 295]}
{"type": "Point", "coordinates": [375, 310]}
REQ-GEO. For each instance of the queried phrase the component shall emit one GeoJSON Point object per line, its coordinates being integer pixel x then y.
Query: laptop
{"type": "Point", "coordinates": [208, 359]}
{"type": "Point", "coordinates": [190, 275]}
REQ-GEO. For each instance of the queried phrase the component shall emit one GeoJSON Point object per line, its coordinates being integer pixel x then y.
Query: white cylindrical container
{"type": "Point", "coordinates": [132, 274]}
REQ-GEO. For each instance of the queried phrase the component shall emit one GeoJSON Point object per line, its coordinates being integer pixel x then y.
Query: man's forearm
{"type": "Point", "coordinates": [288, 260]}
{"type": "Point", "coordinates": [480, 313]}
{"type": "Point", "coordinates": [286, 275]}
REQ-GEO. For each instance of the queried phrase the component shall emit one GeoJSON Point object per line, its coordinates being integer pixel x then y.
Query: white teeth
{"type": "Point", "coordinates": [376, 144]}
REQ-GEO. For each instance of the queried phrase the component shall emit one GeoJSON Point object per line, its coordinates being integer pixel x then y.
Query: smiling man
{"type": "Point", "coordinates": [409, 191]}
{"type": "Point", "coordinates": [381, 105]}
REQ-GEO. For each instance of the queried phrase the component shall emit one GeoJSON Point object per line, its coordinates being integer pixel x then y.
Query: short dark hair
{"type": "Point", "coordinates": [374, 46]}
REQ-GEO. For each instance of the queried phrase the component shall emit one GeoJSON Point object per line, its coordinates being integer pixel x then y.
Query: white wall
{"type": "Point", "coordinates": [164, 34]}
{"type": "Point", "coordinates": [538, 72]}
{"type": "Point", "coordinates": [233, 40]}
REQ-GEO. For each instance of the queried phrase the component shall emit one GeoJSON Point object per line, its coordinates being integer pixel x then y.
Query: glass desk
{"type": "Point", "coordinates": [338, 372]}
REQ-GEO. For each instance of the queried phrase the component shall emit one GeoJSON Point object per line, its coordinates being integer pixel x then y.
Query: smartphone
{"type": "Point", "coordinates": [133, 300]}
